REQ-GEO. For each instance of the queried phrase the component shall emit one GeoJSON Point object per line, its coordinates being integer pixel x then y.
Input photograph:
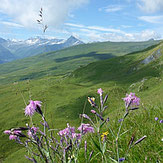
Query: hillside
{"type": "Point", "coordinates": [6, 55]}
{"type": "Point", "coordinates": [66, 60]}
{"type": "Point", "coordinates": [65, 96]}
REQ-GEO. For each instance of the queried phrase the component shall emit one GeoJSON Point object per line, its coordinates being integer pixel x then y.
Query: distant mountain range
{"type": "Point", "coordinates": [13, 49]}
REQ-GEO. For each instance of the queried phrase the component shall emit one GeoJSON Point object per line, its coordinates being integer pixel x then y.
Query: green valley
{"type": "Point", "coordinates": [66, 60]}
{"type": "Point", "coordinates": [64, 79]}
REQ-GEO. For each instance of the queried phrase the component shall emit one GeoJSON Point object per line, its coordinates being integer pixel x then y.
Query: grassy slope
{"type": "Point", "coordinates": [67, 60]}
{"type": "Point", "coordinates": [65, 96]}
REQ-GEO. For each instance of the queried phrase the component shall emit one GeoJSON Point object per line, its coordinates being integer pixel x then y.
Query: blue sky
{"type": "Point", "coordinates": [89, 20]}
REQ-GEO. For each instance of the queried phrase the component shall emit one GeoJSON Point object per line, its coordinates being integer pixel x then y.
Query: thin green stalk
{"type": "Point", "coordinates": [29, 149]}
{"type": "Point", "coordinates": [38, 147]}
{"type": "Point", "coordinates": [111, 131]}
{"type": "Point", "coordinates": [48, 148]}
{"type": "Point", "coordinates": [31, 122]}
{"type": "Point", "coordinates": [22, 97]}
{"type": "Point", "coordinates": [105, 158]}
{"type": "Point", "coordinates": [117, 149]}
{"type": "Point", "coordinates": [118, 135]}
{"type": "Point", "coordinates": [84, 110]}
{"type": "Point", "coordinates": [113, 159]}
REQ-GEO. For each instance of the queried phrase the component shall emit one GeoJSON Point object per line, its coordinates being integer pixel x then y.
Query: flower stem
{"type": "Point", "coordinates": [125, 115]}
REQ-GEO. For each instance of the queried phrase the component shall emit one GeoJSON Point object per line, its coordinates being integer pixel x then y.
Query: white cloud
{"type": "Point", "coordinates": [142, 36]}
{"type": "Point", "coordinates": [152, 19]}
{"type": "Point", "coordinates": [25, 12]}
{"type": "Point", "coordinates": [97, 28]}
{"type": "Point", "coordinates": [146, 35]}
{"type": "Point", "coordinates": [11, 24]}
{"type": "Point", "coordinates": [75, 25]}
{"type": "Point", "coordinates": [92, 34]}
{"type": "Point", "coordinates": [151, 6]}
{"type": "Point", "coordinates": [112, 8]}
{"type": "Point", "coordinates": [96, 33]}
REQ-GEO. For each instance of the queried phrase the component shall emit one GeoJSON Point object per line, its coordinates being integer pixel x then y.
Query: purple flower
{"type": "Point", "coordinates": [85, 128]}
{"type": "Point", "coordinates": [76, 135]}
{"type": "Point", "coordinates": [90, 156]}
{"type": "Point", "coordinates": [156, 118]}
{"type": "Point", "coordinates": [8, 132]}
{"type": "Point", "coordinates": [32, 131]}
{"type": "Point", "coordinates": [67, 131]}
{"type": "Point", "coordinates": [85, 146]}
{"type": "Point", "coordinates": [121, 159]}
{"type": "Point", "coordinates": [100, 91]}
{"type": "Point", "coordinates": [16, 132]}
{"type": "Point", "coordinates": [12, 137]}
{"type": "Point", "coordinates": [98, 115]}
{"type": "Point", "coordinates": [85, 116]}
{"type": "Point", "coordinates": [31, 108]}
{"type": "Point", "coordinates": [120, 120]}
{"type": "Point", "coordinates": [93, 111]}
{"type": "Point", "coordinates": [161, 121]}
{"type": "Point", "coordinates": [131, 98]}
{"type": "Point", "coordinates": [38, 103]}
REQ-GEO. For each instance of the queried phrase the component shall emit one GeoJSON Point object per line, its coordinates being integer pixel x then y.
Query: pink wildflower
{"type": "Point", "coordinates": [131, 98]}
{"type": "Point", "coordinates": [76, 135]}
{"type": "Point", "coordinates": [100, 91]}
{"type": "Point", "coordinates": [85, 128]}
{"type": "Point", "coordinates": [67, 131]}
{"type": "Point", "coordinates": [38, 103]}
{"type": "Point", "coordinates": [93, 111]}
{"type": "Point", "coordinates": [33, 131]}
{"type": "Point", "coordinates": [12, 137]}
{"type": "Point", "coordinates": [16, 132]}
{"type": "Point", "coordinates": [31, 108]}
{"type": "Point", "coordinates": [8, 132]}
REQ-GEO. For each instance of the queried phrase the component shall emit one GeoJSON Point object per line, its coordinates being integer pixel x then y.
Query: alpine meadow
{"type": "Point", "coordinates": [81, 81]}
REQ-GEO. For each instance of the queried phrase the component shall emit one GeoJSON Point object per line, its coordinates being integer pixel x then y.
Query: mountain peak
{"type": "Point", "coordinates": [72, 37]}
{"type": "Point", "coordinates": [2, 40]}
{"type": "Point", "coordinates": [72, 40]}
{"type": "Point", "coordinates": [35, 45]}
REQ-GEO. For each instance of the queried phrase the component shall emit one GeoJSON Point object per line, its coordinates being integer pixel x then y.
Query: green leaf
{"type": "Point", "coordinates": [102, 124]}
{"type": "Point", "coordinates": [47, 154]}
{"type": "Point", "coordinates": [97, 146]}
{"type": "Point", "coordinates": [104, 147]}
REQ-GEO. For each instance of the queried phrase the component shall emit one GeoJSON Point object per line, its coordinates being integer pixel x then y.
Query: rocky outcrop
{"type": "Point", "coordinates": [152, 57]}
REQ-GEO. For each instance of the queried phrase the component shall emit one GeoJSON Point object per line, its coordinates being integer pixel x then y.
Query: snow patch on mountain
{"type": "Point", "coordinates": [37, 45]}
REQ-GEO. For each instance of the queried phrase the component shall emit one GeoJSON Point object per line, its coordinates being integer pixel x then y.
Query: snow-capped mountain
{"type": "Point", "coordinates": [34, 46]}
{"type": "Point", "coordinates": [38, 41]}
{"type": "Point", "coordinates": [71, 41]}
{"type": "Point", "coordinates": [41, 41]}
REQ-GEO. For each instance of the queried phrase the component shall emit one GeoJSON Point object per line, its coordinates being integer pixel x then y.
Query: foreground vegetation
{"type": "Point", "coordinates": [64, 98]}
{"type": "Point", "coordinates": [43, 146]}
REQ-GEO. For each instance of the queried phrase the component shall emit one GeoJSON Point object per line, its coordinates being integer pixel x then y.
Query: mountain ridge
{"type": "Point", "coordinates": [66, 60]}
{"type": "Point", "coordinates": [34, 46]}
